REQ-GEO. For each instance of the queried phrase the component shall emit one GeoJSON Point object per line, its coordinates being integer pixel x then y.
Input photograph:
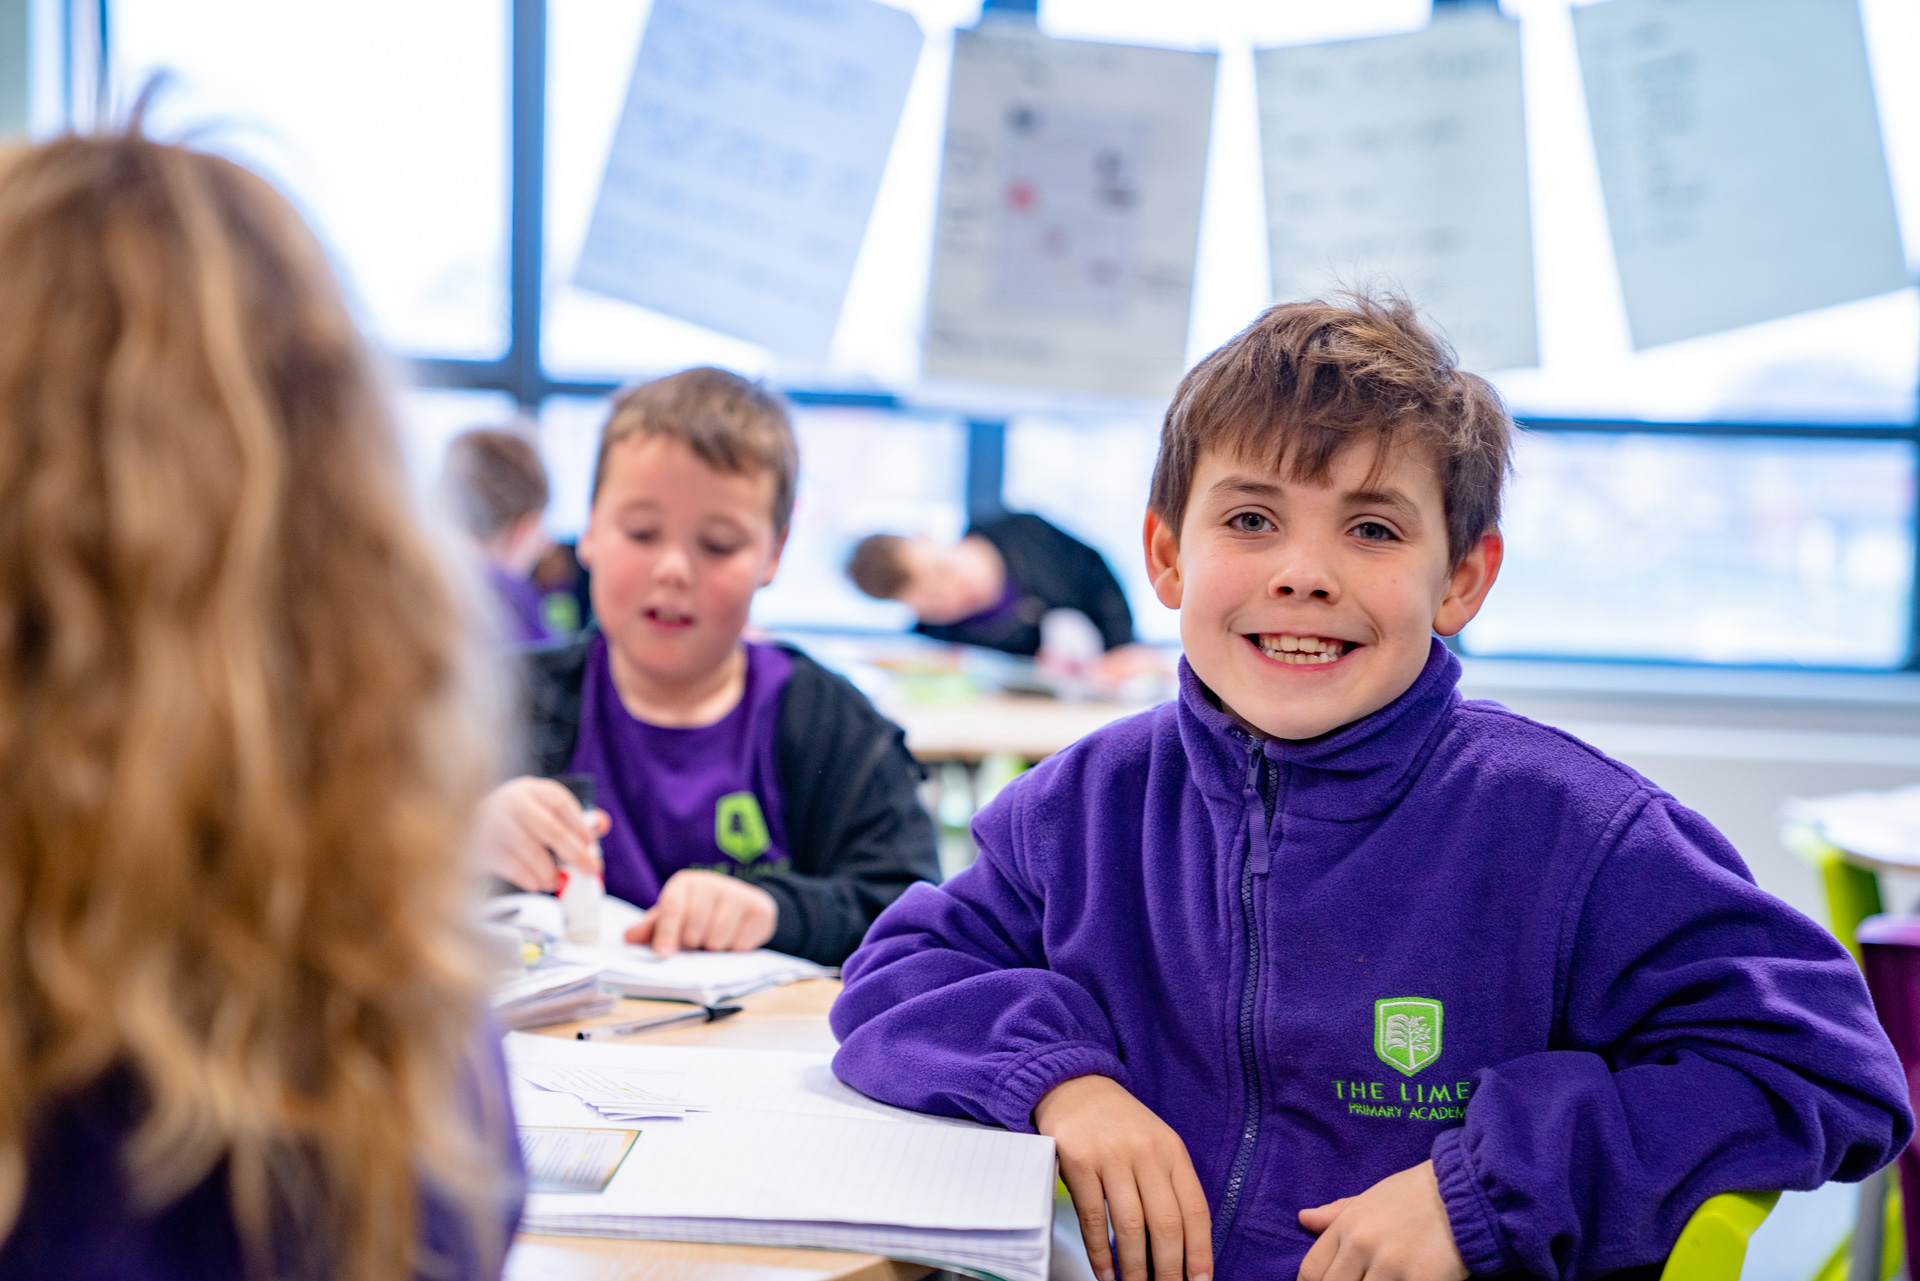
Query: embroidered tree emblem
{"type": "Point", "coordinates": [1406, 1032]}
{"type": "Point", "coordinates": [739, 828]}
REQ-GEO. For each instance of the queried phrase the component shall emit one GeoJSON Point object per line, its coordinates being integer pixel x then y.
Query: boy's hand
{"type": "Point", "coordinates": [1397, 1230]}
{"type": "Point", "coordinates": [705, 911]}
{"type": "Point", "coordinates": [1120, 1161]}
{"type": "Point", "coordinates": [525, 824]}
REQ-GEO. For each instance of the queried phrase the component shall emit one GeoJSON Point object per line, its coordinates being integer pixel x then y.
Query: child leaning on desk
{"type": "Point", "coordinates": [244, 1028]}
{"type": "Point", "coordinates": [1320, 968]}
{"type": "Point", "coordinates": [748, 797]}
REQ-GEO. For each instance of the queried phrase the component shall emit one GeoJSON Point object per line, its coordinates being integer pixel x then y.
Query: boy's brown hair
{"type": "Point", "coordinates": [493, 477]}
{"type": "Point", "coordinates": [876, 566]}
{"type": "Point", "coordinates": [1307, 379]}
{"type": "Point", "coordinates": [730, 424]}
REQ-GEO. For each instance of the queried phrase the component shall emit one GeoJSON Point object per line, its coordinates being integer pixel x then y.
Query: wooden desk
{"type": "Point", "coordinates": [783, 1018]}
{"type": "Point", "coordinates": [1003, 725]}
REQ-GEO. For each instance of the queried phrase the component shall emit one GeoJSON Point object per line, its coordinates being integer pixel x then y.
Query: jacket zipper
{"type": "Point", "coordinates": [1256, 864]}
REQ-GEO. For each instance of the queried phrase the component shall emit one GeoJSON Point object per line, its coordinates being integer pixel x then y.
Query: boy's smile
{"type": "Point", "coordinates": [1305, 606]}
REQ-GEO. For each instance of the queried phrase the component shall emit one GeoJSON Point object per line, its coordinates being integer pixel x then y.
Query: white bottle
{"type": "Point", "coordinates": [580, 891]}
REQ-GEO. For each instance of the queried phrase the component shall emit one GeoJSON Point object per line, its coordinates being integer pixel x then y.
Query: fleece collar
{"type": "Point", "coordinates": [1355, 772]}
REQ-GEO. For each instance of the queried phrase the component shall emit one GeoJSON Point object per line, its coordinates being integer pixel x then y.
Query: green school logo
{"type": "Point", "coordinates": [739, 828]}
{"type": "Point", "coordinates": [1406, 1032]}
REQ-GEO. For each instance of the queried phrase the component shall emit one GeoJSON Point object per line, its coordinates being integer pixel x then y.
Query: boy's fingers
{"type": "Point", "coordinates": [525, 865]}
{"type": "Point", "coordinates": [1318, 1218]}
{"type": "Point", "coordinates": [723, 925]}
{"type": "Point", "coordinates": [1165, 1221]}
{"type": "Point", "coordinates": [1314, 1266]}
{"type": "Point", "coordinates": [1129, 1222]}
{"type": "Point", "coordinates": [1090, 1207]}
{"type": "Point", "coordinates": [666, 926]}
{"type": "Point", "coordinates": [544, 829]}
{"type": "Point", "coordinates": [1198, 1222]}
{"type": "Point", "coordinates": [749, 935]}
{"type": "Point", "coordinates": [1350, 1262]}
{"type": "Point", "coordinates": [696, 913]}
{"type": "Point", "coordinates": [641, 930]}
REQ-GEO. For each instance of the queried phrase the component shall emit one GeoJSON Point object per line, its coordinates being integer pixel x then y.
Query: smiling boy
{"type": "Point", "coordinates": [1320, 969]}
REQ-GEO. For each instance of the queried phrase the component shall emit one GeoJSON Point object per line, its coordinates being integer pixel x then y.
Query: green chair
{"type": "Point", "coordinates": [1853, 894]}
{"type": "Point", "coordinates": [1713, 1245]}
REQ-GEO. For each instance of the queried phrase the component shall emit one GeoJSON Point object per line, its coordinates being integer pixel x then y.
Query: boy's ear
{"type": "Point", "coordinates": [1469, 583]}
{"type": "Point", "coordinates": [583, 546]}
{"type": "Point", "coordinates": [773, 561]}
{"type": "Point", "coordinates": [1163, 560]}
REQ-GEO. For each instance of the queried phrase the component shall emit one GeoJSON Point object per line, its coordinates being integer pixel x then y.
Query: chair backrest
{"type": "Point", "coordinates": [1890, 955]}
{"type": "Point", "coordinates": [1713, 1245]}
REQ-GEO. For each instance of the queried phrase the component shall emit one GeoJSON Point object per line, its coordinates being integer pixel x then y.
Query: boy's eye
{"type": "Point", "coordinates": [642, 535]}
{"type": "Point", "coordinates": [1249, 522]}
{"type": "Point", "coordinates": [1373, 531]}
{"type": "Point", "coordinates": [713, 548]}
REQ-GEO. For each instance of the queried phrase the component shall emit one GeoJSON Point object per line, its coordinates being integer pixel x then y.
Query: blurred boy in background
{"type": "Point", "coordinates": [755, 799]}
{"type": "Point", "coordinates": [1003, 587]}
{"type": "Point", "coordinates": [495, 487]}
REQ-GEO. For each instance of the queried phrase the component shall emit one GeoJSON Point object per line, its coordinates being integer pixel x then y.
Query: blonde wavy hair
{"type": "Point", "coordinates": [236, 721]}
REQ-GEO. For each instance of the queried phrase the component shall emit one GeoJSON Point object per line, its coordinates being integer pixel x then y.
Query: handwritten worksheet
{"type": "Point", "coordinates": [746, 162]}
{"type": "Point", "coordinates": [1399, 163]}
{"type": "Point", "coordinates": [1741, 159]}
{"type": "Point", "coordinates": [1069, 212]}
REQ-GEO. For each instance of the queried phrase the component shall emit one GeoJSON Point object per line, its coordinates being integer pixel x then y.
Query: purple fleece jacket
{"type": "Point", "coordinates": [1442, 931]}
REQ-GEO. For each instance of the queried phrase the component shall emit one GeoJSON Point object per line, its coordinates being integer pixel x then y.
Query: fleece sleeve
{"type": "Point", "coordinates": [1710, 1039]}
{"type": "Point", "coordinates": [949, 1006]}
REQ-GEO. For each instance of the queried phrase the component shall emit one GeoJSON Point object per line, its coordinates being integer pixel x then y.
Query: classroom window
{"type": "Point", "coordinates": [428, 418]}
{"type": "Point", "coordinates": [384, 120]}
{"type": "Point", "coordinates": [861, 470]}
{"type": "Point", "coordinates": [406, 179]}
{"type": "Point", "coordinates": [1090, 477]}
{"type": "Point", "coordinates": [1705, 549]}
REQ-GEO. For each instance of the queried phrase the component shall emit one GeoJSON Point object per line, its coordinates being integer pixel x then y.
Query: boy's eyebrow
{"type": "Point", "coordinates": [1251, 486]}
{"type": "Point", "coordinates": [1383, 498]}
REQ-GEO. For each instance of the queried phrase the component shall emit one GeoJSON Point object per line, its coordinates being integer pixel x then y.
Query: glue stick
{"type": "Point", "coordinates": [580, 890]}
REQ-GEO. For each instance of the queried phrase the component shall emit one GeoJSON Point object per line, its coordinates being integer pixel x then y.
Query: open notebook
{"type": "Point", "coordinates": [706, 978]}
{"type": "Point", "coordinates": [771, 1149]}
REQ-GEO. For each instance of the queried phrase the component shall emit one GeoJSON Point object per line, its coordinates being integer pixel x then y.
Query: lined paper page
{"type": "Point", "coordinates": [793, 1081]}
{"type": "Point", "coordinates": [768, 1165]}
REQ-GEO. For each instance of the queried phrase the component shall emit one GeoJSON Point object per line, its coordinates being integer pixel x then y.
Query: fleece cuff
{"type": "Point", "coordinates": [1475, 1233]}
{"type": "Point", "coordinates": [1026, 1079]}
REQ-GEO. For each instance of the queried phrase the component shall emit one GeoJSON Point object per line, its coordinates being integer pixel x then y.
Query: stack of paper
{"type": "Point", "coordinates": [617, 1096]}
{"type": "Point", "coordinates": [772, 1150]}
{"type": "Point", "coordinates": [705, 978]}
{"type": "Point", "coordinates": [551, 993]}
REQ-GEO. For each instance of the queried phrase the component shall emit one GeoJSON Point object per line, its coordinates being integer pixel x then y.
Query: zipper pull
{"type": "Point", "coordinates": [1259, 857]}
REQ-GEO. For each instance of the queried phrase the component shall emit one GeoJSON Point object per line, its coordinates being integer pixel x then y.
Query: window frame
{"type": "Point", "coordinates": [521, 374]}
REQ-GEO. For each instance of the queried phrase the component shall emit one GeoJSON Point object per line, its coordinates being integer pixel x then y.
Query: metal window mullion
{"type": "Point", "coordinates": [526, 221]}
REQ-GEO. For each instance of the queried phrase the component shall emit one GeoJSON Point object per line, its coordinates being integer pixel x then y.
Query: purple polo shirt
{"type": "Point", "coordinates": [519, 607]}
{"type": "Point", "coordinates": [707, 797]}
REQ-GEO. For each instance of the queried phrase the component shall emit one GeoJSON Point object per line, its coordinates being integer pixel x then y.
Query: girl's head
{"type": "Point", "coordinates": [232, 722]}
{"type": "Point", "coordinates": [691, 500]}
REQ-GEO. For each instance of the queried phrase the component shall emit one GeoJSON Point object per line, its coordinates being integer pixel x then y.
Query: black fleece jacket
{"type": "Point", "coordinates": [857, 834]}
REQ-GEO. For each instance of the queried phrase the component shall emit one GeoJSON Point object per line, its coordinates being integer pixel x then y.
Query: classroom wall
{"type": "Point", "coordinates": [1733, 745]}
{"type": "Point", "coordinates": [13, 68]}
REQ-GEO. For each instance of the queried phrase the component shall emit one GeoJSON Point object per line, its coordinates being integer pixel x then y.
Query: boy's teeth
{"type": "Point", "coordinates": [1301, 649]}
